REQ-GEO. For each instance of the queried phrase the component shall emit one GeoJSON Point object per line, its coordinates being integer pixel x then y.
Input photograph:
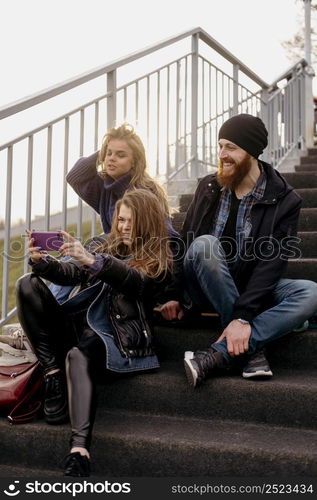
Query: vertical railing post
{"type": "Point", "coordinates": [48, 177]}
{"type": "Point", "coordinates": [308, 81]}
{"type": "Point", "coordinates": [194, 106]}
{"type": "Point", "coordinates": [168, 163]}
{"type": "Point", "coordinates": [308, 107]}
{"type": "Point", "coordinates": [7, 234]}
{"type": "Point", "coordinates": [66, 150]}
{"type": "Point", "coordinates": [158, 102]}
{"type": "Point", "coordinates": [96, 140]}
{"type": "Point", "coordinates": [265, 118]}
{"type": "Point", "coordinates": [28, 214]}
{"type": "Point", "coordinates": [112, 99]}
{"type": "Point", "coordinates": [81, 153]}
{"type": "Point", "coordinates": [179, 145]}
{"type": "Point", "coordinates": [235, 75]}
{"type": "Point", "coordinates": [273, 132]}
{"type": "Point", "coordinates": [296, 111]}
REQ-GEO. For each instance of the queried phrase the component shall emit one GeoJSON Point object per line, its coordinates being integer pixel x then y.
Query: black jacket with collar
{"type": "Point", "coordinates": [263, 259]}
{"type": "Point", "coordinates": [130, 298]}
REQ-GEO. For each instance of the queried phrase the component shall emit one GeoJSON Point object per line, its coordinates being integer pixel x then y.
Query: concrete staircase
{"type": "Point", "coordinates": [155, 425]}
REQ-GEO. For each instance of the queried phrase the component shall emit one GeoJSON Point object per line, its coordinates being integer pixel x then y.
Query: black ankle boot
{"type": "Point", "coordinates": [76, 465]}
{"type": "Point", "coordinates": [201, 364]}
{"type": "Point", "coordinates": [55, 399]}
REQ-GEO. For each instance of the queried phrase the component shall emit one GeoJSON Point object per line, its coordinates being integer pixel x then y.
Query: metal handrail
{"type": "Point", "coordinates": [54, 121]}
{"type": "Point", "coordinates": [85, 105]}
{"type": "Point", "coordinates": [276, 90]}
{"type": "Point", "coordinates": [288, 73]}
{"type": "Point", "coordinates": [60, 88]}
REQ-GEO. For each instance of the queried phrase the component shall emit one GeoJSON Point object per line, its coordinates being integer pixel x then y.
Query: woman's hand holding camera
{"type": "Point", "coordinates": [73, 248]}
{"type": "Point", "coordinates": [35, 253]}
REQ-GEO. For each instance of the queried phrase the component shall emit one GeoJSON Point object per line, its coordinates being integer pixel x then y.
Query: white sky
{"type": "Point", "coordinates": [47, 41]}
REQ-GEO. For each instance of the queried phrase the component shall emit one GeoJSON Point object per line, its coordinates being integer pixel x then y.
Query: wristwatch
{"type": "Point", "coordinates": [243, 321]}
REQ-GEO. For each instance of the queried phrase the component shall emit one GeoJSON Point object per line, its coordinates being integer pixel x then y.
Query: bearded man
{"type": "Point", "coordinates": [240, 230]}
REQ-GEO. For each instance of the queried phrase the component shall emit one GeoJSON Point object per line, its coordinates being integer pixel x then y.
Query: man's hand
{"type": "Point", "coordinates": [237, 336]}
{"type": "Point", "coordinates": [171, 310]}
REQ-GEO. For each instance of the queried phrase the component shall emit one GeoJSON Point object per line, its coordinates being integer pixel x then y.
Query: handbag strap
{"type": "Point", "coordinates": [25, 417]}
{"type": "Point", "coordinates": [28, 366]}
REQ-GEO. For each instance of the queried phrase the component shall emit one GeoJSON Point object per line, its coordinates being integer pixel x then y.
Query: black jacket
{"type": "Point", "coordinates": [264, 257]}
{"type": "Point", "coordinates": [131, 296]}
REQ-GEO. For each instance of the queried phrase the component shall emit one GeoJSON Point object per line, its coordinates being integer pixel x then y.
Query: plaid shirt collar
{"type": "Point", "coordinates": [259, 188]}
{"type": "Point", "coordinates": [243, 225]}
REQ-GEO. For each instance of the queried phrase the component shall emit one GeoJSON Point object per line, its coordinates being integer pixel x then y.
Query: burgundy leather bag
{"type": "Point", "coordinates": [21, 391]}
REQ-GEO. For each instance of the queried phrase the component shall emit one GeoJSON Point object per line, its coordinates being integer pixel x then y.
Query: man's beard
{"type": "Point", "coordinates": [231, 180]}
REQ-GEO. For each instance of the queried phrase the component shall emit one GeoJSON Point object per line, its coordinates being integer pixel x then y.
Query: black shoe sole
{"type": "Point", "coordinates": [76, 475]}
{"type": "Point", "coordinates": [57, 419]}
{"type": "Point", "coordinates": [258, 374]}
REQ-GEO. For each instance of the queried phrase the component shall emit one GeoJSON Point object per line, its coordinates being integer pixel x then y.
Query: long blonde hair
{"type": "Point", "coordinates": [149, 250]}
{"type": "Point", "coordinates": [139, 176]}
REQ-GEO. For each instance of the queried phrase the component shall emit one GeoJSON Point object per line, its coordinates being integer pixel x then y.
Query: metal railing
{"type": "Point", "coordinates": [286, 110]}
{"type": "Point", "coordinates": [177, 107]}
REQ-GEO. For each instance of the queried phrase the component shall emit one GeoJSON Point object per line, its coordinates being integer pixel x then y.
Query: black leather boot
{"type": "Point", "coordinates": [55, 399]}
{"type": "Point", "coordinates": [76, 465]}
{"type": "Point", "coordinates": [201, 364]}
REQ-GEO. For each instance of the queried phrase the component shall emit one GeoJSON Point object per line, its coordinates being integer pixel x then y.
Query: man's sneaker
{"type": "Point", "coordinates": [200, 364]}
{"type": "Point", "coordinates": [257, 366]}
{"type": "Point", "coordinates": [55, 399]}
{"type": "Point", "coordinates": [76, 465]}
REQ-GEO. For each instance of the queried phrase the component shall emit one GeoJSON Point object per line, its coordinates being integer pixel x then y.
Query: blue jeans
{"type": "Point", "coordinates": [208, 282]}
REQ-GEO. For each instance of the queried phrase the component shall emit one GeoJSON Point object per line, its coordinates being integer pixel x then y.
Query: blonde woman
{"type": "Point", "coordinates": [105, 326]}
{"type": "Point", "coordinates": [103, 177]}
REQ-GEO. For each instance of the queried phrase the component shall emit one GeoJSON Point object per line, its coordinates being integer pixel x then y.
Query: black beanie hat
{"type": "Point", "coordinates": [246, 131]}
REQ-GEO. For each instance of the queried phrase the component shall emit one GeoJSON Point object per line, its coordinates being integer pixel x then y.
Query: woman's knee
{"type": "Point", "coordinates": [27, 284]}
{"type": "Point", "coordinates": [75, 356]}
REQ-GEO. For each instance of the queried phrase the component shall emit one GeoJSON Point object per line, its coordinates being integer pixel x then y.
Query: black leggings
{"type": "Point", "coordinates": [55, 337]}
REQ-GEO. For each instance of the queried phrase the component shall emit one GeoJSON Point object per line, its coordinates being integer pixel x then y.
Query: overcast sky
{"type": "Point", "coordinates": [47, 41]}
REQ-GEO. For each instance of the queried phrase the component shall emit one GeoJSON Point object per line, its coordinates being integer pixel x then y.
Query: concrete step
{"type": "Point", "coordinates": [177, 220]}
{"type": "Point", "coordinates": [311, 158]}
{"type": "Point", "coordinates": [308, 245]}
{"type": "Point", "coordinates": [307, 219]}
{"type": "Point", "coordinates": [133, 444]}
{"type": "Point", "coordinates": [294, 350]}
{"type": "Point", "coordinates": [305, 269]}
{"type": "Point", "coordinates": [16, 471]}
{"type": "Point", "coordinates": [309, 196]}
{"type": "Point", "coordinates": [301, 180]}
{"type": "Point", "coordinates": [281, 400]}
{"type": "Point", "coordinates": [307, 167]}
{"type": "Point", "coordinates": [184, 202]}
{"type": "Point", "coordinates": [312, 152]}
